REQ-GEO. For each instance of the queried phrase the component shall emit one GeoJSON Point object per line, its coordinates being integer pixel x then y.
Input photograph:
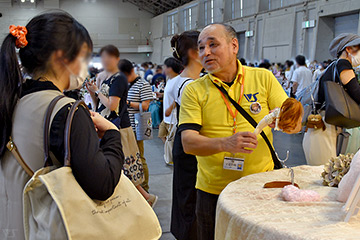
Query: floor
{"type": "Point", "coordinates": [161, 174]}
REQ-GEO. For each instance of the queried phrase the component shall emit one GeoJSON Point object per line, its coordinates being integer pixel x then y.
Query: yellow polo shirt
{"type": "Point", "coordinates": [202, 104]}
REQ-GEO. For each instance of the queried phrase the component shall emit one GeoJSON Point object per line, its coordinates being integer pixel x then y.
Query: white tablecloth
{"type": "Point", "coordinates": [246, 210]}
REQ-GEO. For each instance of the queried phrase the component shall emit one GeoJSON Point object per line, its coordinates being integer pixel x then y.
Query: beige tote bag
{"type": "Point", "coordinates": [56, 207]}
{"type": "Point", "coordinates": [133, 167]}
{"type": "Point", "coordinates": [169, 142]}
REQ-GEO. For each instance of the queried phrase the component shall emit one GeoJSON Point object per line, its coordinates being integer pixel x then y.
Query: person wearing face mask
{"type": "Point", "coordinates": [54, 49]}
{"type": "Point", "coordinates": [76, 81]}
{"type": "Point", "coordinates": [319, 146]}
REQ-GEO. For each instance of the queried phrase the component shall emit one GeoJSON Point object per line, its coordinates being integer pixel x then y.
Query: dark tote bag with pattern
{"type": "Point", "coordinates": [340, 109]}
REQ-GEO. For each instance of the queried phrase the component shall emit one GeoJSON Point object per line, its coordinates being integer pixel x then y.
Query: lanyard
{"type": "Point", "coordinates": [228, 105]}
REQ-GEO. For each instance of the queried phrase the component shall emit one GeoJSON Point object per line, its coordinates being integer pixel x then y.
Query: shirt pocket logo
{"type": "Point", "coordinates": [251, 97]}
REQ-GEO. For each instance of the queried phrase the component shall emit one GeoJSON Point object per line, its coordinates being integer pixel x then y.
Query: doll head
{"type": "Point", "coordinates": [291, 115]}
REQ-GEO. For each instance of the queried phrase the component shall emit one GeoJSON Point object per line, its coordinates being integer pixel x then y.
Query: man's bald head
{"type": "Point", "coordinates": [218, 47]}
{"type": "Point", "coordinates": [228, 30]}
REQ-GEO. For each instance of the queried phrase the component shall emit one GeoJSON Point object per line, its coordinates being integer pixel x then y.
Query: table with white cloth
{"type": "Point", "coordinates": [246, 210]}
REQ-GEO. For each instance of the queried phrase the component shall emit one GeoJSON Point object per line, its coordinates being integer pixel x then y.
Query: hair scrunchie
{"type": "Point", "coordinates": [20, 33]}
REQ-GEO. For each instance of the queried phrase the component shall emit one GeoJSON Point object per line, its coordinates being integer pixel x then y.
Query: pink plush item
{"type": "Point", "coordinates": [291, 193]}
{"type": "Point", "coordinates": [347, 182]}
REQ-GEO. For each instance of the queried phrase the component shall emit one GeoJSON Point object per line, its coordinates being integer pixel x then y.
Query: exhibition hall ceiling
{"type": "Point", "coordinates": [158, 7]}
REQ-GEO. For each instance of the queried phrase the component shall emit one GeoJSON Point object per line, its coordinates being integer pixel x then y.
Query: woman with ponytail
{"type": "Point", "coordinates": [183, 218]}
{"type": "Point", "coordinates": [54, 50]}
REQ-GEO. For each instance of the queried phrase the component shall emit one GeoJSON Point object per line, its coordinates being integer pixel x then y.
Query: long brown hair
{"type": "Point", "coordinates": [291, 111]}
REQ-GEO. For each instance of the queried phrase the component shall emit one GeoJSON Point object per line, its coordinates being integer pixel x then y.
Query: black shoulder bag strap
{"type": "Point", "coordinates": [182, 85]}
{"type": "Point", "coordinates": [277, 164]}
{"type": "Point", "coordinates": [178, 105]}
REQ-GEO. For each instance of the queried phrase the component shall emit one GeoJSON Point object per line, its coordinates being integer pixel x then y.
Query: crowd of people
{"type": "Point", "coordinates": [203, 95]}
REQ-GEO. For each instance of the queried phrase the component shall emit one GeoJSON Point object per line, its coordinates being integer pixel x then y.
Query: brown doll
{"type": "Point", "coordinates": [287, 118]}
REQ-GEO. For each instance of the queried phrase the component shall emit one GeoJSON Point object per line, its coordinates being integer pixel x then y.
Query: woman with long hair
{"type": "Point", "coordinates": [54, 50]}
{"type": "Point", "coordinates": [183, 218]}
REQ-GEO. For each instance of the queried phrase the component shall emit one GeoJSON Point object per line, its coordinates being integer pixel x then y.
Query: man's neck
{"type": "Point", "coordinates": [132, 78]}
{"type": "Point", "coordinates": [229, 73]}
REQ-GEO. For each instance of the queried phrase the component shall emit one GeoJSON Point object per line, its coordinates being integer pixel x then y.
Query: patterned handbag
{"type": "Point", "coordinates": [133, 167]}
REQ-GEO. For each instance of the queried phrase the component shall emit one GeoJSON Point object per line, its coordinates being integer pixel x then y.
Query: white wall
{"type": "Point", "coordinates": [108, 21]}
{"type": "Point", "coordinates": [278, 32]}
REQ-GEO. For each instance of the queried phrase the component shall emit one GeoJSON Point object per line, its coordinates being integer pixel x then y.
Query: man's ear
{"type": "Point", "coordinates": [235, 44]}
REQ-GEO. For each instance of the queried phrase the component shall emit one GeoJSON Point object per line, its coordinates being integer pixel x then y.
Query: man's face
{"type": "Point", "coordinates": [216, 49]}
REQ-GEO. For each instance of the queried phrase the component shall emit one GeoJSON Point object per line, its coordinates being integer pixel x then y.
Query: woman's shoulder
{"type": "Point", "coordinates": [343, 64]}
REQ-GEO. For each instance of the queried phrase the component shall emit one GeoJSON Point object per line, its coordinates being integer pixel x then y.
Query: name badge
{"type": "Point", "coordinates": [236, 164]}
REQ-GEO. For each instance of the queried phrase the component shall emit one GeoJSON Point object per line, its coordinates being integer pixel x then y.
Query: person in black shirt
{"type": "Point", "coordinates": [319, 146]}
{"type": "Point", "coordinates": [348, 58]}
{"type": "Point", "coordinates": [110, 99]}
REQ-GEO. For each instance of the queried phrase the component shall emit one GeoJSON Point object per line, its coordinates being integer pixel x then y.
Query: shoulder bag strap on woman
{"type": "Point", "coordinates": [182, 85]}
{"type": "Point", "coordinates": [67, 133]}
{"type": "Point", "coordinates": [14, 150]}
{"type": "Point", "coordinates": [47, 159]}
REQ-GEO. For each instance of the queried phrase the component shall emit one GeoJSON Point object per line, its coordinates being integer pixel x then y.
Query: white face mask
{"type": "Point", "coordinates": [355, 59]}
{"type": "Point", "coordinates": [77, 81]}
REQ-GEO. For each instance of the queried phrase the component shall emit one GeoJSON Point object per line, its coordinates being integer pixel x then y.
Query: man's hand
{"type": "Point", "coordinates": [241, 142]}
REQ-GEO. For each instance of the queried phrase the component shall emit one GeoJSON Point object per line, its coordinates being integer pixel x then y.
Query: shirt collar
{"type": "Point", "coordinates": [238, 77]}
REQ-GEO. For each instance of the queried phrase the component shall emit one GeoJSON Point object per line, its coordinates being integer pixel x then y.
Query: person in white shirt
{"type": "Point", "coordinates": [172, 68]}
{"type": "Point", "coordinates": [302, 77]}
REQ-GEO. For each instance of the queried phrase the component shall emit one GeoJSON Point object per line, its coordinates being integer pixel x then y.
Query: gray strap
{"type": "Point", "coordinates": [140, 108]}
{"type": "Point", "coordinates": [47, 159]}
{"type": "Point", "coordinates": [67, 133]}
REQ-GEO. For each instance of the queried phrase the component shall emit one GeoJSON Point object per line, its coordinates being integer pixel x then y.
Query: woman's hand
{"type": "Point", "coordinates": [101, 124]}
{"type": "Point", "coordinates": [91, 87]}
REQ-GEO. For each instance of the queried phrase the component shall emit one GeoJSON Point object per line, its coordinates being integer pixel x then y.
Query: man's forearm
{"type": "Point", "coordinates": [295, 86]}
{"type": "Point", "coordinates": [135, 105]}
{"type": "Point", "coordinates": [196, 144]}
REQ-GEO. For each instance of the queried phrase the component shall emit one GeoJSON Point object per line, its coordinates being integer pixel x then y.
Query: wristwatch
{"type": "Point", "coordinates": [97, 93]}
{"type": "Point", "coordinates": [128, 103]}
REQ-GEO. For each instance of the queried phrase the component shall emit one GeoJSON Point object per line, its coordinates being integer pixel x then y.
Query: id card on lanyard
{"type": "Point", "coordinates": [232, 163]}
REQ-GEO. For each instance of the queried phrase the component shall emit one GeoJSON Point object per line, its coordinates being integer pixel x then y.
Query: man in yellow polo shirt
{"type": "Point", "coordinates": [214, 131]}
